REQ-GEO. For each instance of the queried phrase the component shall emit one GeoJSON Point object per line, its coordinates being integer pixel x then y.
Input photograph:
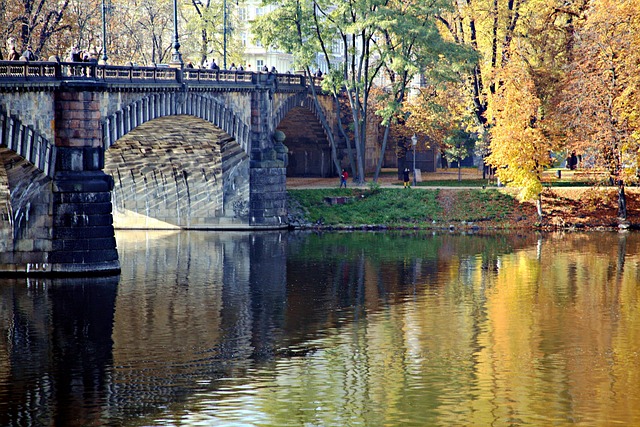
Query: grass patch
{"type": "Point", "coordinates": [401, 207]}
{"type": "Point", "coordinates": [480, 205]}
{"type": "Point", "coordinates": [380, 206]}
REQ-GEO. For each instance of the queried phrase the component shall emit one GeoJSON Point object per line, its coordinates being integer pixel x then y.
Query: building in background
{"type": "Point", "coordinates": [256, 56]}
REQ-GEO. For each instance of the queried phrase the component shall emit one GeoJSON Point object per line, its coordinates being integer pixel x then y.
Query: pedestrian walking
{"type": "Point", "coordinates": [343, 178]}
{"type": "Point", "coordinates": [405, 178]}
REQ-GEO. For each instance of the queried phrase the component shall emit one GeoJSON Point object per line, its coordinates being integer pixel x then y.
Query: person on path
{"type": "Point", "coordinates": [405, 178]}
{"type": "Point", "coordinates": [343, 178]}
{"type": "Point", "coordinates": [572, 161]}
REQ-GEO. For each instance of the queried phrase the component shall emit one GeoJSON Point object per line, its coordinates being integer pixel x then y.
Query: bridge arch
{"type": "Point", "coordinates": [27, 143]}
{"type": "Point", "coordinates": [82, 116]}
{"type": "Point", "coordinates": [179, 172]}
{"type": "Point", "coordinates": [306, 129]}
{"type": "Point", "coordinates": [161, 104]}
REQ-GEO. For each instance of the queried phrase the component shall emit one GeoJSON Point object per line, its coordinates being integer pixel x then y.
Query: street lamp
{"type": "Point", "coordinates": [176, 57]}
{"type": "Point", "coordinates": [224, 34]}
{"type": "Point", "coordinates": [414, 142]}
{"type": "Point", "coordinates": [104, 33]}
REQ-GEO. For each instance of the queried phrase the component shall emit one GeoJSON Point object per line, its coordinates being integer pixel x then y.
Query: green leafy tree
{"type": "Point", "coordinates": [412, 47]}
{"type": "Point", "coordinates": [359, 41]}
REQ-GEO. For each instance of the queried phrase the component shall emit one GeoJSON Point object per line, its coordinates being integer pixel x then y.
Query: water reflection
{"type": "Point", "coordinates": [299, 329]}
{"type": "Point", "coordinates": [56, 358]}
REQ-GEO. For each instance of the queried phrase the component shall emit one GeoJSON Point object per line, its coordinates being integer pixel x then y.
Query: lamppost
{"type": "Point", "coordinates": [224, 34]}
{"type": "Point", "coordinates": [176, 57]}
{"type": "Point", "coordinates": [104, 33]}
{"type": "Point", "coordinates": [414, 142]}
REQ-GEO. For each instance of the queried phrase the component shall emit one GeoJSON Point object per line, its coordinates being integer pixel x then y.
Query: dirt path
{"type": "Point", "coordinates": [387, 179]}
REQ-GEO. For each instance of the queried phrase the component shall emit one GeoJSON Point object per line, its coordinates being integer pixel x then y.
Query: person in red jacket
{"type": "Point", "coordinates": [343, 178]}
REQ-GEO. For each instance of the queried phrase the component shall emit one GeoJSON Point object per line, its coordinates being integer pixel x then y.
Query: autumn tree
{"type": "Point", "coordinates": [32, 23]}
{"type": "Point", "coordinates": [519, 150]}
{"type": "Point", "coordinates": [599, 106]}
{"type": "Point", "coordinates": [443, 114]}
{"type": "Point", "coordinates": [540, 30]}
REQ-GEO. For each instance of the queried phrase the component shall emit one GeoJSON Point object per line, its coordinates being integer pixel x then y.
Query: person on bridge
{"type": "Point", "coordinates": [28, 54]}
{"type": "Point", "coordinates": [213, 65]}
{"type": "Point", "coordinates": [343, 178]}
{"type": "Point", "coordinates": [74, 55]}
{"type": "Point", "coordinates": [13, 54]}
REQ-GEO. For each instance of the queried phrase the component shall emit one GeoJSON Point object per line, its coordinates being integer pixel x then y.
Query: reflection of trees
{"type": "Point", "coordinates": [535, 338]}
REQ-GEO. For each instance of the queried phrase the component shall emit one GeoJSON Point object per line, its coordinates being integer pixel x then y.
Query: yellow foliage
{"type": "Point", "coordinates": [519, 149]}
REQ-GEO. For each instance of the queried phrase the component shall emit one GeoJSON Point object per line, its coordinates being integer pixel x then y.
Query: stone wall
{"type": "Point", "coordinates": [34, 108]}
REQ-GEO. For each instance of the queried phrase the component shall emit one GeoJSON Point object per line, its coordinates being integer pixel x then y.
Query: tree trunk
{"type": "Point", "coordinates": [384, 148]}
{"type": "Point", "coordinates": [622, 202]}
{"type": "Point", "coordinates": [539, 206]}
{"type": "Point", "coordinates": [346, 138]}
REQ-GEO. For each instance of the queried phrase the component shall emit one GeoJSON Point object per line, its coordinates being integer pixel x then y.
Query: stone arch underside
{"type": "Point", "coordinates": [309, 148]}
{"type": "Point", "coordinates": [178, 172]}
{"type": "Point", "coordinates": [25, 207]}
{"type": "Point", "coordinates": [155, 105]}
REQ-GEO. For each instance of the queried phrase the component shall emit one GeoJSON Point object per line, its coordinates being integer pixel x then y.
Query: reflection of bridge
{"type": "Point", "coordinates": [176, 148]}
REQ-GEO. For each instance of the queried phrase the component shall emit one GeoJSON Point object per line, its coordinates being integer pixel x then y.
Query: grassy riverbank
{"type": "Point", "coordinates": [408, 208]}
{"type": "Point", "coordinates": [374, 207]}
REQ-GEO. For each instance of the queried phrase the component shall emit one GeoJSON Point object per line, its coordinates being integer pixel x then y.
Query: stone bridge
{"type": "Point", "coordinates": [86, 148]}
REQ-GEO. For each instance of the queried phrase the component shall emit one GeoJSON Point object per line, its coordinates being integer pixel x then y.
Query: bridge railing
{"type": "Point", "coordinates": [21, 71]}
{"type": "Point", "coordinates": [28, 70]}
{"type": "Point", "coordinates": [39, 71]}
{"type": "Point", "coordinates": [208, 76]}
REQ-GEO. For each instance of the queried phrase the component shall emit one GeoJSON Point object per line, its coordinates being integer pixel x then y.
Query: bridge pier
{"type": "Point", "coordinates": [268, 170]}
{"type": "Point", "coordinates": [83, 237]}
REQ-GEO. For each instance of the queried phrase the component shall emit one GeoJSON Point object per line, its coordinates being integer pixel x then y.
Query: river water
{"type": "Point", "coordinates": [336, 329]}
